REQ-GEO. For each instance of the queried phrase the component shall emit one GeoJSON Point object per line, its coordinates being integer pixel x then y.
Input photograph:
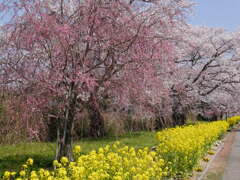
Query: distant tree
{"type": "Point", "coordinates": [209, 62]}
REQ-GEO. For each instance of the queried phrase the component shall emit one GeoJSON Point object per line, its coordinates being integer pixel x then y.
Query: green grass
{"type": "Point", "coordinates": [13, 156]}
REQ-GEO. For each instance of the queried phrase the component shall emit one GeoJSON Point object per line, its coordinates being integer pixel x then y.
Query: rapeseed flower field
{"type": "Point", "coordinates": [233, 120]}
{"type": "Point", "coordinates": [177, 154]}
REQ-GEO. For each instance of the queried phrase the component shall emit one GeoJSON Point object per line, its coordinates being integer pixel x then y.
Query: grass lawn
{"type": "Point", "coordinates": [13, 156]}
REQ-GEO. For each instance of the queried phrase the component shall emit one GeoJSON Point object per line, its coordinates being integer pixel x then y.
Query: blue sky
{"type": "Point", "coordinates": [217, 13]}
{"type": "Point", "coordinates": [214, 13]}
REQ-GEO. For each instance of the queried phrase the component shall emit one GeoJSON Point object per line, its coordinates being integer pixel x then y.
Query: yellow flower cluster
{"type": "Point", "coordinates": [10, 175]}
{"type": "Point", "coordinates": [183, 147]}
{"type": "Point", "coordinates": [178, 152]}
{"type": "Point", "coordinates": [233, 120]}
{"type": "Point", "coordinates": [111, 162]}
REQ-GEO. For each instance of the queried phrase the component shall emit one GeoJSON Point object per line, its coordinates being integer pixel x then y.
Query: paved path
{"type": "Point", "coordinates": [232, 168]}
{"type": "Point", "coordinates": [226, 164]}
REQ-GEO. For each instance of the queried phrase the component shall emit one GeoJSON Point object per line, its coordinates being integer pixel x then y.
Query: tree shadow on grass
{"type": "Point", "coordinates": [14, 162]}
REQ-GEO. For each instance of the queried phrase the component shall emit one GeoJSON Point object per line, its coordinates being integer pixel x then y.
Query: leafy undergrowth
{"type": "Point", "coordinates": [176, 155]}
{"type": "Point", "coordinates": [13, 156]}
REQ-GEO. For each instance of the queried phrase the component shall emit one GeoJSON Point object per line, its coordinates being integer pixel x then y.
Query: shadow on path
{"type": "Point", "coordinates": [235, 130]}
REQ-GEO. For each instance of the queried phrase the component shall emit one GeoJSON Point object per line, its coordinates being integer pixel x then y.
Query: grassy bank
{"type": "Point", "coordinates": [13, 156]}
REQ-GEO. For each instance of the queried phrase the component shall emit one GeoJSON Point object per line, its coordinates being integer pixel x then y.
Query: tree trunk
{"type": "Point", "coordinates": [160, 123]}
{"type": "Point", "coordinates": [96, 119]}
{"type": "Point", "coordinates": [65, 130]}
{"type": "Point", "coordinates": [64, 139]}
{"type": "Point", "coordinates": [179, 118]}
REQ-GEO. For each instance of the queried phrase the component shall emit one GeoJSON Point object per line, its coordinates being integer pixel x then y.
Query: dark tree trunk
{"type": "Point", "coordinates": [96, 119]}
{"type": "Point", "coordinates": [160, 123]}
{"type": "Point", "coordinates": [65, 130]}
{"type": "Point", "coordinates": [179, 118]}
{"type": "Point", "coordinates": [178, 110]}
{"type": "Point", "coordinates": [221, 115]}
{"type": "Point", "coordinates": [64, 139]}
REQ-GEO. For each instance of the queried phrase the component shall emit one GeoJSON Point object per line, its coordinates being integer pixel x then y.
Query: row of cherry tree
{"type": "Point", "coordinates": [61, 57]}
